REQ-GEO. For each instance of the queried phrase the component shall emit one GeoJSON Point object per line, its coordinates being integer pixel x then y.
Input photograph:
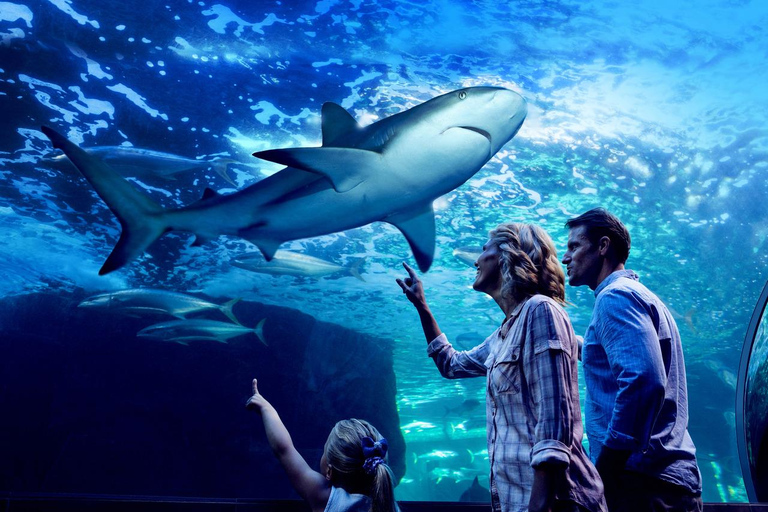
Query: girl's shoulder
{"type": "Point", "coordinates": [342, 501]}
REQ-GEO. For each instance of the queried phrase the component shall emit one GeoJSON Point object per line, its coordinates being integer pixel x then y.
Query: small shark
{"type": "Point", "coordinates": [184, 331]}
{"type": "Point", "coordinates": [143, 163]}
{"type": "Point", "coordinates": [435, 455]}
{"type": "Point", "coordinates": [389, 171]}
{"type": "Point", "coordinates": [296, 264]}
{"type": "Point", "coordinates": [138, 301]}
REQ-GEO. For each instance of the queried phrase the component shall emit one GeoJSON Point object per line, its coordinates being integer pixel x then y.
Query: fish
{"type": "Point", "coordinates": [475, 493]}
{"type": "Point", "coordinates": [389, 171]}
{"type": "Point", "coordinates": [148, 163]}
{"type": "Point", "coordinates": [296, 264]}
{"type": "Point", "coordinates": [139, 301]}
{"type": "Point", "coordinates": [467, 255]}
{"type": "Point", "coordinates": [723, 373]}
{"type": "Point", "coordinates": [184, 331]}
{"type": "Point", "coordinates": [457, 475]}
{"type": "Point", "coordinates": [418, 426]}
{"type": "Point", "coordinates": [483, 454]}
{"type": "Point", "coordinates": [463, 408]}
{"type": "Point", "coordinates": [435, 455]}
{"type": "Point", "coordinates": [469, 424]}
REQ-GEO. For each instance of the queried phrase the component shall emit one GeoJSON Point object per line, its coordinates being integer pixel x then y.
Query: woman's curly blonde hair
{"type": "Point", "coordinates": [528, 261]}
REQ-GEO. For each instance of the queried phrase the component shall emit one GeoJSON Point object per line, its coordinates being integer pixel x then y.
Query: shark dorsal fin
{"type": "Point", "coordinates": [346, 168]}
{"type": "Point", "coordinates": [337, 123]}
{"type": "Point", "coordinates": [418, 226]}
{"type": "Point", "coordinates": [208, 193]}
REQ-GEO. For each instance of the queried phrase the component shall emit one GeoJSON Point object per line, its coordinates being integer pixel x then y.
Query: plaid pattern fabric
{"type": "Point", "coordinates": [532, 403]}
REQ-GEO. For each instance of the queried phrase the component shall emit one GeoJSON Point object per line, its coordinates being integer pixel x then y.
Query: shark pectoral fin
{"type": "Point", "coordinates": [418, 226]}
{"type": "Point", "coordinates": [346, 168]}
{"type": "Point", "coordinates": [337, 123]}
{"type": "Point", "coordinates": [267, 247]}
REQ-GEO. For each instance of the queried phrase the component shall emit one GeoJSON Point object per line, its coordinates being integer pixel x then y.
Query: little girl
{"type": "Point", "coordinates": [354, 475]}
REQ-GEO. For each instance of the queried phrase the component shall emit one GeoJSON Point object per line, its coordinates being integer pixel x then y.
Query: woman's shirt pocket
{"type": "Point", "coordinates": [504, 372]}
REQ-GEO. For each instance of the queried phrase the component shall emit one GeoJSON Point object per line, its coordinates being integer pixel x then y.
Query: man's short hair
{"type": "Point", "coordinates": [599, 223]}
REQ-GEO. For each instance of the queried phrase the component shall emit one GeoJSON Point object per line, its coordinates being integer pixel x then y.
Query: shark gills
{"type": "Point", "coordinates": [390, 171]}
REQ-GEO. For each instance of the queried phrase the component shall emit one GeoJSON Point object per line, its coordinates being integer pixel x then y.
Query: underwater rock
{"type": "Point", "coordinates": [89, 407]}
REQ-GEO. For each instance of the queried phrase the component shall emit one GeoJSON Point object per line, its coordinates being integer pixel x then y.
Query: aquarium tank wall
{"type": "Point", "coordinates": [653, 110]}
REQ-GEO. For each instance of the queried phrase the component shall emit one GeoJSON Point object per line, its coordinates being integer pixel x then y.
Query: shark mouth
{"type": "Point", "coordinates": [478, 130]}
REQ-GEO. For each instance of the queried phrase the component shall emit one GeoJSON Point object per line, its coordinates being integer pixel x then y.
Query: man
{"type": "Point", "coordinates": [637, 403]}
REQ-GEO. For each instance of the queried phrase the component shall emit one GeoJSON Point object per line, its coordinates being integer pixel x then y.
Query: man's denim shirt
{"type": "Point", "coordinates": [634, 372]}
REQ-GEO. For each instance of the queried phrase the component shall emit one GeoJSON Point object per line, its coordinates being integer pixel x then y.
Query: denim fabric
{"type": "Point", "coordinates": [637, 397]}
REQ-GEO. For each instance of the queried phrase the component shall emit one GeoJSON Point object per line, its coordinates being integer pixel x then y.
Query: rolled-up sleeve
{"type": "Point", "coordinates": [550, 384]}
{"type": "Point", "coordinates": [454, 364]}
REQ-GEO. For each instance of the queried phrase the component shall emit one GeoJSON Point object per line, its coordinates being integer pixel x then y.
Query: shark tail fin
{"type": "Point", "coordinates": [355, 268]}
{"type": "Point", "coordinates": [220, 166]}
{"type": "Point", "coordinates": [142, 219]}
{"type": "Point", "coordinates": [259, 331]}
{"type": "Point", "coordinates": [138, 233]}
{"type": "Point", "coordinates": [226, 308]}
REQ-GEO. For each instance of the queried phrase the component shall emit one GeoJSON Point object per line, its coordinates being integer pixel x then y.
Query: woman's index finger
{"type": "Point", "coordinates": [410, 271]}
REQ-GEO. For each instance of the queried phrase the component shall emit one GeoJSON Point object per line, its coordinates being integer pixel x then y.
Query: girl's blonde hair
{"type": "Point", "coordinates": [528, 261]}
{"type": "Point", "coordinates": [344, 453]}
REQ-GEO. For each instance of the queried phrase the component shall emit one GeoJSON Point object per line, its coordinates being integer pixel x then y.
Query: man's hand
{"type": "Point", "coordinates": [610, 462]}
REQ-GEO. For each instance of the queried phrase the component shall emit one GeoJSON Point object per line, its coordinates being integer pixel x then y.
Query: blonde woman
{"type": "Point", "coordinates": [530, 362]}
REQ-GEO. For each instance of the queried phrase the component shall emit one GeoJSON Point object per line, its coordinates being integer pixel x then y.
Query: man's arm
{"type": "Point", "coordinates": [629, 338]}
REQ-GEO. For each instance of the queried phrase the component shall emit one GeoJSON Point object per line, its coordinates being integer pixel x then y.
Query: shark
{"type": "Point", "coordinates": [140, 301]}
{"type": "Point", "coordinates": [296, 264]}
{"type": "Point", "coordinates": [147, 163]}
{"type": "Point", "coordinates": [389, 171]}
{"type": "Point", "coordinates": [184, 331]}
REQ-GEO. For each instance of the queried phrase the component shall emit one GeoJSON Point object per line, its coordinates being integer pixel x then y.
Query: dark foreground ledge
{"type": "Point", "coordinates": [10, 502]}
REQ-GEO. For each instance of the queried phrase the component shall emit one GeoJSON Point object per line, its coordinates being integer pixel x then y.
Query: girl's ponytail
{"type": "Point", "coordinates": [383, 490]}
{"type": "Point", "coordinates": [357, 453]}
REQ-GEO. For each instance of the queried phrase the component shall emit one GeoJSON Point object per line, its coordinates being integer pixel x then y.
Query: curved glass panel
{"type": "Point", "coordinates": [752, 404]}
{"type": "Point", "coordinates": [655, 110]}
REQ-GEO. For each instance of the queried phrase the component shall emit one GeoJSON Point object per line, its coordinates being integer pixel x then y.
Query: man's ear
{"type": "Point", "coordinates": [603, 245]}
{"type": "Point", "coordinates": [328, 473]}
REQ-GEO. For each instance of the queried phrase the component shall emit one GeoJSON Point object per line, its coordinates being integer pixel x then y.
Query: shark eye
{"type": "Point", "coordinates": [462, 95]}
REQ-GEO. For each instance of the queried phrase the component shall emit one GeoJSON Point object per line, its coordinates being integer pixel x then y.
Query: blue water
{"type": "Point", "coordinates": [653, 109]}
